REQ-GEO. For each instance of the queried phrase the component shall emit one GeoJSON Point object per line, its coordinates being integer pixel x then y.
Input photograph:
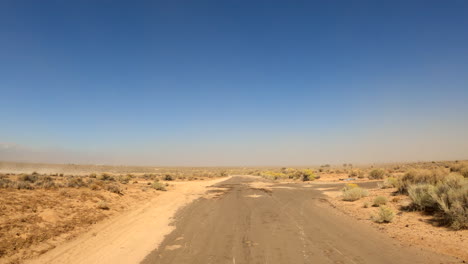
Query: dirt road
{"type": "Point", "coordinates": [249, 221]}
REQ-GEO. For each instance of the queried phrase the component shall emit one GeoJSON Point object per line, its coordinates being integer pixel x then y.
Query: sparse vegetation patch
{"type": "Point", "coordinates": [376, 174]}
{"type": "Point", "coordinates": [379, 200]}
{"type": "Point", "coordinates": [158, 186]}
{"type": "Point", "coordinates": [352, 192]}
{"type": "Point", "coordinates": [390, 182]}
{"type": "Point", "coordinates": [385, 215]}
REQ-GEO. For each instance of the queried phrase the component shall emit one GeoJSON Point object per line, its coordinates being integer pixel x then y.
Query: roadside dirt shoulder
{"type": "Point", "coordinates": [129, 237]}
{"type": "Point", "coordinates": [410, 228]}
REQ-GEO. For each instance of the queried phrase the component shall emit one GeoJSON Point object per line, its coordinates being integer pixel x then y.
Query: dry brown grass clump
{"type": "Point", "coordinates": [421, 176]}
{"type": "Point", "coordinates": [105, 177]}
{"type": "Point", "coordinates": [168, 177]}
{"type": "Point", "coordinates": [447, 198]}
{"type": "Point", "coordinates": [379, 200]}
{"type": "Point", "coordinates": [390, 182]}
{"type": "Point", "coordinates": [124, 179]}
{"type": "Point", "coordinates": [158, 186]}
{"type": "Point", "coordinates": [27, 182]}
{"type": "Point", "coordinates": [385, 215]}
{"type": "Point", "coordinates": [114, 188]}
{"type": "Point", "coordinates": [377, 174]}
{"type": "Point", "coordinates": [356, 173]}
{"type": "Point", "coordinates": [352, 192]}
{"type": "Point", "coordinates": [38, 181]}
{"type": "Point", "coordinates": [289, 173]}
{"type": "Point", "coordinates": [75, 182]}
{"type": "Point", "coordinates": [103, 205]}
{"type": "Point", "coordinates": [421, 197]}
{"type": "Point", "coordinates": [461, 168]}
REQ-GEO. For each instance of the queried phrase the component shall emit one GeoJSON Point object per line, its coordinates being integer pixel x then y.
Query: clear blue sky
{"type": "Point", "coordinates": [233, 82]}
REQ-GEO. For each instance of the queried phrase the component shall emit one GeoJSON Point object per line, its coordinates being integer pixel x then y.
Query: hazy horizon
{"type": "Point", "coordinates": [245, 83]}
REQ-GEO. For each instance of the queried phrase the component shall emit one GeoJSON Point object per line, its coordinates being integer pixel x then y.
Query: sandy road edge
{"type": "Point", "coordinates": [129, 237]}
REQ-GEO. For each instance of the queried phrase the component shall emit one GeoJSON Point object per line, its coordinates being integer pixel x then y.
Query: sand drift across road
{"type": "Point", "coordinates": [248, 220]}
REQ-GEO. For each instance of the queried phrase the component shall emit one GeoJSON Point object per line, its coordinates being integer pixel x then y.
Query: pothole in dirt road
{"type": "Point", "coordinates": [249, 243]}
{"type": "Point", "coordinates": [228, 186]}
{"type": "Point", "coordinates": [267, 191]}
{"type": "Point", "coordinates": [173, 247]}
{"type": "Point", "coordinates": [215, 192]}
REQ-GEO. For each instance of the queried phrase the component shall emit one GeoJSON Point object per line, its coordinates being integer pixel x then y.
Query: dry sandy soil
{"type": "Point", "coordinates": [129, 237]}
{"type": "Point", "coordinates": [35, 219]}
{"type": "Point", "coordinates": [33, 222]}
{"type": "Point", "coordinates": [409, 227]}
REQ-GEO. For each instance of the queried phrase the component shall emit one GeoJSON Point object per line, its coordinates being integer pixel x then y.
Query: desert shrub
{"type": "Point", "coordinates": [360, 174]}
{"type": "Point", "coordinates": [307, 175]}
{"type": "Point", "coordinates": [105, 177]}
{"type": "Point", "coordinates": [90, 181]}
{"type": "Point", "coordinates": [354, 193]}
{"type": "Point", "coordinates": [5, 183]}
{"type": "Point", "coordinates": [448, 197]}
{"type": "Point", "coordinates": [293, 173]}
{"type": "Point", "coordinates": [272, 175]}
{"type": "Point", "coordinates": [21, 185]}
{"type": "Point", "coordinates": [45, 182]}
{"type": "Point", "coordinates": [94, 187]}
{"type": "Point", "coordinates": [290, 173]}
{"type": "Point", "coordinates": [385, 215]}
{"type": "Point", "coordinates": [451, 196]}
{"type": "Point", "coordinates": [149, 176]}
{"type": "Point", "coordinates": [113, 188]}
{"type": "Point", "coordinates": [158, 186]}
{"type": "Point", "coordinates": [353, 174]}
{"type": "Point", "coordinates": [93, 175]}
{"type": "Point", "coordinates": [303, 175]}
{"type": "Point", "coordinates": [28, 177]}
{"type": "Point", "coordinates": [377, 174]}
{"type": "Point", "coordinates": [168, 177]}
{"type": "Point", "coordinates": [103, 205]}
{"type": "Point", "coordinates": [421, 197]}
{"type": "Point", "coordinates": [421, 176]}
{"type": "Point", "coordinates": [366, 204]}
{"type": "Point", "coordinates": [390, 182]}
{"type": "Point", "coordinates": [125, 179]}
{"type": "Point", "coordinates": [75, 182]}
{"type": "Point", "coordinates": [464, 171]}
{"type": "Point", "coordinates": [456, 167]}
{"type": "Point", "coordinates": [453, 181]}
{"type": "Point", "coordinates": [379, 200]}
{"type": "Point", "coordinates": [356, 173]}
